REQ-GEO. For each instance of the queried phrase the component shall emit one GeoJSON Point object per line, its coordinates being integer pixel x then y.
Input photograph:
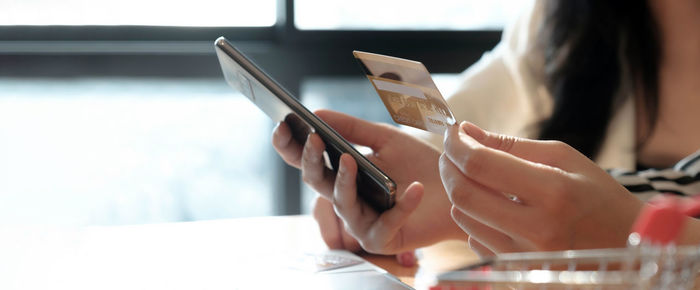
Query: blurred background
{"type": "Point", "coordinates": [115, 112]}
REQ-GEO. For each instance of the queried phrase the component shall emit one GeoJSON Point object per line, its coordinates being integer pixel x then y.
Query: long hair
{"type": "Point", "coordinates": [592, 48]}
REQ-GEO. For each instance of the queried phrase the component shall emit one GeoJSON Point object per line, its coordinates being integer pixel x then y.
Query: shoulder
{"type": "Point", "coordinates": [504, 91]}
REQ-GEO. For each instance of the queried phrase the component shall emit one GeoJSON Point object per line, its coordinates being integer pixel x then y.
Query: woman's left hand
{"type": "Point", "coordinates": [516, 195]}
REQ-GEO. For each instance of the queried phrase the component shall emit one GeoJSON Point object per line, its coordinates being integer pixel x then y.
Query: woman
{"type": "Point", "coordinates": [616, 81]}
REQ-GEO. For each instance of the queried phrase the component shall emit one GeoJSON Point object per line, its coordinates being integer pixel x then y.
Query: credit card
{"type": "Point", "coordinates": [408, 91]}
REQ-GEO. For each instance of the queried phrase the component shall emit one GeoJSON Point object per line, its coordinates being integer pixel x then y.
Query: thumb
{"type": "Point", "coordinates": [546, 152]}
{"type": "Point", "coordinates": [390, 222]}
{"type": "Point", "coordinates": [407, 259]}
{"type": "Point", "coordinates": [356, 130]}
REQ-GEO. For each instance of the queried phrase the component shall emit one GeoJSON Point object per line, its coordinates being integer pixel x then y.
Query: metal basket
{"type": "Point", "coordinates": [642, 267]}
{"type": "Point", "coordinates": [651, 260]}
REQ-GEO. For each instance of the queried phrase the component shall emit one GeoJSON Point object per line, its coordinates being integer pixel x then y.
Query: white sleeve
{"type": "Point", "coordinates": [503, 91]}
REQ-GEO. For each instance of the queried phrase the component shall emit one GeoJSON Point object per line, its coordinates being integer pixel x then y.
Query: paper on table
{"type": "Point", "coordinates": [195, 255]}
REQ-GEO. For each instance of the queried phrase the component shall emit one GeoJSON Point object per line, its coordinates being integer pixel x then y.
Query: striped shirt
{"type": "Point", "coordinates": [682, 179]}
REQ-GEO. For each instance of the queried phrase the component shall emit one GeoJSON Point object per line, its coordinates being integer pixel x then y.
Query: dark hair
{"type": "Point", "coordinates": [593, 47]}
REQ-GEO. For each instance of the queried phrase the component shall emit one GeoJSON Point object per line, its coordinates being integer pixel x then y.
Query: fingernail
{"type": "Point", "coordinates": [341, 165]}
{"type": "Point", "coordinates": [446, 134]}
{"type": "Point", "coordinates": [313, 157]}
{"type": "Point", "coordinates": [473, 131]}
{"type": "Point", "coordinates": [407, 259]}
{"type": "Point", "coordinates": [413, 196]}
{"type": "Point", "coordinates": [275, 130]}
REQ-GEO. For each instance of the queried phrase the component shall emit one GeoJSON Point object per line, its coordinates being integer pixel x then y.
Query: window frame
{"type": "Point", "coordinates": [285, 52]}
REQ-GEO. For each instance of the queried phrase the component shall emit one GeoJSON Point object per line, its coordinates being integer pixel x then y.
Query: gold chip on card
{"type": "Point", "coordinates": [408, 91]}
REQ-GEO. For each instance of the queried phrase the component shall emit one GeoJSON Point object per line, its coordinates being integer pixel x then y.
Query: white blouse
{"type": "Point", "coordinates": [505, 92]}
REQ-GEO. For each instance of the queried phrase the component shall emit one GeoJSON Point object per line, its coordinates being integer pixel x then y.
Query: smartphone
{"type": "Point", "coordinates": [373, 185]}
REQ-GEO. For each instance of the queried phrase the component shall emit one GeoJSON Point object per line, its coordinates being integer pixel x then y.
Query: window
{"type": "Point", "coordinates": [139, 12]}
{"type": "Point", "coordinates": [402, 15]}
{"type": "Point", "coordinates": [131, 150]}
{"type": "Point", "coordinates": [115, 112]}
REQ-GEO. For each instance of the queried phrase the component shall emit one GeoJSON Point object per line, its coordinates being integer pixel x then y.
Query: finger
{"type": "Point", "coordinates": [377, 235]}
{"type": "Point", "coordinates": [478, 248]}
{"type": "Point", "coordinates": [356, 130]}
{"type": "Point", "coordinates": [313, 170]}
{"type": "Point", "coordinates": [391, 221]}
{"type": "Point", "coordinates": [285, 145]}
{"type": "Point", "coordinates": [332, 229]}
{"type": "Point", "coordinates": [349, 242]}
{"type": "Point", "coordinates": [407, 258]}
{"type": "Point", "coordinates": [488, 206]}
{"type": "Point", "coordinates": [497, 169]}
{"type": "Point", "coordinates": [327, 221]}
{"type": "Point", "coordinates": [548, 152]}
{"type": "Point", "coordinates": [494, 240]}
{"type": "Point", "coordinates": [356, 215]}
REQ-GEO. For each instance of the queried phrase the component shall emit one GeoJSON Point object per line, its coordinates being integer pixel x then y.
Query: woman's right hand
{"type": "Point", "coordinates": [421, 215]}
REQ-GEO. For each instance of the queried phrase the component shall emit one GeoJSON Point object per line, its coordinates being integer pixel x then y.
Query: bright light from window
{"type": "Point", "coordinates": [108, 151]}
{"type": "Point", "coordinates": [408, 15]}
{"type": "Point", "coordinates": [139, 12]}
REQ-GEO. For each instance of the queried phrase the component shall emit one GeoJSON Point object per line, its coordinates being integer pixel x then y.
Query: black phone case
{"type": "Point", "coordinates": [367, 188]}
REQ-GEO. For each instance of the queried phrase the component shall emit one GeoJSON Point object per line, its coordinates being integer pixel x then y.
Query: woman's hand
{"type": "Point", "coordinates": [421, 215]}
{"type": "Point", "coordinates": [515, 195]}
{"type": "Point", "coordinates": [336, 237]}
